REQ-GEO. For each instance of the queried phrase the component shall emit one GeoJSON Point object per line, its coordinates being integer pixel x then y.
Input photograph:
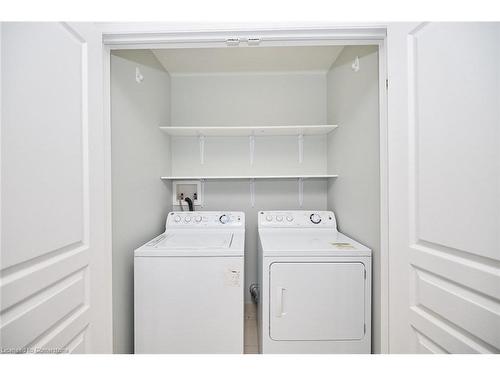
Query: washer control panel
{"type": "Point", "coordinates": [208, 219]}
{"type": "Point", "coordinates": [294, 219]}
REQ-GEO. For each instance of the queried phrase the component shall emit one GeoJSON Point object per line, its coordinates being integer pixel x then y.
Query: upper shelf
{"type": "Point", "coordinates": [240, 131]}
{"type": "Point", "coordinates": [284, 177]}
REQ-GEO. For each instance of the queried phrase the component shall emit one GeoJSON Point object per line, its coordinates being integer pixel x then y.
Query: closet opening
{"type": "Point", "coordinates": [248, 127]}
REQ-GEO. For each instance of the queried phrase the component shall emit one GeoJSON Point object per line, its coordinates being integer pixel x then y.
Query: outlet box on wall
{"type": "Point", "coordinates": [191, 189]}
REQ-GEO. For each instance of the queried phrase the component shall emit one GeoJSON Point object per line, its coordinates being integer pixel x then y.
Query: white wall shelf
{"type": "Point", "coordinates": [242, 131]}
{"type": "Point", "coordinates": [288, 177]}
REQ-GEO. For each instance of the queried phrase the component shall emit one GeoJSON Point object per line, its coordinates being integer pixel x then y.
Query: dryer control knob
{"type": "Point", "coordinates": [187, 219]}
{"type": "Point", "coordinates": [177, 218]}
{"type": "Point", "coordinates": [315, 218]}
{"type": "Point", "coordinates": [198, 219]}
{"type": "Point", "coordinates": [289, 218]}
{"type": "Point", "coordinates": [269, 218]}
{"type": "Point", "coordinates": [224, 219]}
{"type": "Point", "coordinates": [279, 218]}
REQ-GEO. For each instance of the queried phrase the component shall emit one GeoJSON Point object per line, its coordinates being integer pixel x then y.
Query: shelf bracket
{"type": "Point", "coordinates": [252, 192]}
{"type": "Point", "coordinates": [301, 191]}
{"type": "Point", "coordinates": [201, 139]}
{"type": "Point", "coordinates": [202, 191]}
{"type": "Point", "coordinates": [300, 139]}
{"type": "Point", "coordinates": [251, 141]}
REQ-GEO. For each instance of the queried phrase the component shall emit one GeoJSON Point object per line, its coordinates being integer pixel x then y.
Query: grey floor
{"type": "Point", "coordinates": [251, 344]}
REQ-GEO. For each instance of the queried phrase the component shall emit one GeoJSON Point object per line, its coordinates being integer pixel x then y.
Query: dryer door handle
{"type": "Point", "coordinates": [280, 310]}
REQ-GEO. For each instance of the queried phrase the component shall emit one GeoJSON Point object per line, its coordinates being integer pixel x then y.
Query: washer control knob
{"type": "Point", "coordinates": [279, 218]}
{"type": "Point", "coordinates": [269, 218]}
{"type": "Point", "coordinates": [187, 219]}
{"type": "Point", "coordinates": [315, 218]}
{"type": "Point", "coordinates": [198, 219]}
{"type": "Point", "coordinates": [177, 218]}
{"type": "Point", "coordinates": [289, 218]}
{"type": "Point", "coordinates": [224, 219]}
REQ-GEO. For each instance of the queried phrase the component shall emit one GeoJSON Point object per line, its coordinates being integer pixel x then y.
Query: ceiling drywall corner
{"type": "Point", "coordinates": [248, 59]}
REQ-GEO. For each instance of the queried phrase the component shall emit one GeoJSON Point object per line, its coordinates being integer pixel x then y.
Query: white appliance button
{"type": "Point", "coordinates": [269, 218]}
{"type": "Point", "coordinates": [315, 218]}
{"type": "Point", "coordinates": [177, 218]}
{"type": "Point", "coordinates": [279, 218]}
{"type": "Point", "coordinates": [289, 218]}
{"type": "Point", "coordinates": [198, 219]}
{"type": "Point", "coordinates": [187, 219]}
{"type": "Point", "coordinates": [224, 219]}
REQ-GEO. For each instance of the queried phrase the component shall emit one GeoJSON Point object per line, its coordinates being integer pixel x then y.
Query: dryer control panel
{"type": "Point", "coordinates": [295, 219]}
{"type": "Point", "coordinates": [205, 219]}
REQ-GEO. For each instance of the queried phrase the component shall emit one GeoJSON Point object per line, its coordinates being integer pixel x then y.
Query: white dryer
{"type": "Point", "coordinates": [188, 285]}
{"type": "Point", "coordinates": [314, 283]}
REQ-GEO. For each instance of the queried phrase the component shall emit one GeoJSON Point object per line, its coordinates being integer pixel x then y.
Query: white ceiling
{"type": "Point", "coordinates": [248, 59]}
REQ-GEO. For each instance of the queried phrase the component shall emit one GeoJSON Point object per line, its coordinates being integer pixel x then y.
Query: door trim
{"type": "Point", "coordinates": [135, 36]}
{"type": "Point", "coordinates": [130, 36]}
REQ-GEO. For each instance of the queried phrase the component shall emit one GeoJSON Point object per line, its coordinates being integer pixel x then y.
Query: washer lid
{"type": "Point", "coordinates": [199, 240]}
{"type": "Point", "coordinates": [302, 242]}
{"type": "Point", "coordinates": [194, 243]}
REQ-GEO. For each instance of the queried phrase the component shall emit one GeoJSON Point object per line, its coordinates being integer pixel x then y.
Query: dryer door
{"type": "Point", "coordinates": [317, 301]}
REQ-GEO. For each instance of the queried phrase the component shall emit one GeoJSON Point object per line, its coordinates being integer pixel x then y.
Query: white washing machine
{"type": "Point", "coordinates": [314, 284]}
{"type": "Point", "coordinates": [188, 285]}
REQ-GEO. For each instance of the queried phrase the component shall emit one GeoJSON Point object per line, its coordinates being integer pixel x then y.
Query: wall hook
{"type": "Point", "coordinates": [355, 64]}
{"type": "Point", "coordinates": [138, 75]}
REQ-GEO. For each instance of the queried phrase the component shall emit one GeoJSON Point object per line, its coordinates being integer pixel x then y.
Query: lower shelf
{"type": "Point", "coordinates": [289, 177]}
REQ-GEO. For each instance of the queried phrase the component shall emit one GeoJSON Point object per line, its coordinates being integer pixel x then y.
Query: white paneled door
{"type": "Point", "coordinates": [444, 187]}
{"type": "Point", "coordinates": [55, 262]}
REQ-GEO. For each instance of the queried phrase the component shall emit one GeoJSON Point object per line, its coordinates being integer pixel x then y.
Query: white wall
{"type": "Point", "coordinates": [233, 99]}
{"type": "Point", "coordinates": [353, 153]}
{"type": "Point", "coordinates": [231, 156]}
{"type": "Point", "coordinates": [252, 99]}
{"type": "Point", "coordinates": [140, 155]}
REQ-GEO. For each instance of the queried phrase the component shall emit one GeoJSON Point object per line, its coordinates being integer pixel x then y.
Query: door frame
{"type": "Point", "coordinates": [149, 36]}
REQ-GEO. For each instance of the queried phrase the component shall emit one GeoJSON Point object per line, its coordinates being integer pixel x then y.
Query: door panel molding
{"type": "Point", "coordinates": [27, 282]}
{"type": "Point", "coordinates": [29, 320]}
{"type": "Point", "coordinates": [423, 115]}
{"type": "Point", "coordinates": [477, 273]}
{"type": "Point", "coordinates": [449, 299]}
{"type": "Point", "coordinates": [20, 269]}
{"type": "Point", "coordinates": [413, 126]}
{"type": "Point", "coordinates": [446, 334]}
{"type": "Point", "coordinates": [427, 346]}
{"type": "Point", "coordinates": [40, 153]}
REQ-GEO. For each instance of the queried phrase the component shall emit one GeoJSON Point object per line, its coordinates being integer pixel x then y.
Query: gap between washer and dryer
{"type": "Point", "coordinates": [251, 341]}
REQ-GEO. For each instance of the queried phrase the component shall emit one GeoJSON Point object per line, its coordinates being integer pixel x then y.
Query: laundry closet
{"type": "Point", "coordinates": [249, 128]}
